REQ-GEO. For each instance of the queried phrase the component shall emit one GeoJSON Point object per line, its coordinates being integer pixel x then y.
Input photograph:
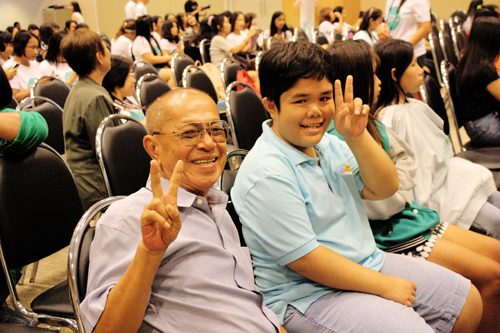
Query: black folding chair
{"type": "Point", "coordinates": [78, 256]}
{"type": "Point", "coordinates": [42, 181]}
{"type": "Point", "coordinates": [55, 89]}
{"type": "Point", "coordinates": [123, 160]}
{"type": "Point", "coordinates": [245, 113]}
{"type": "Point", "coordinates": [448, 48]}
{"type": "Point", "coordinates": [229, 71]}
{"type": "Point", "coordinates": [53, 115]}
{"type": "Point", "coordinates": [149, 88]}
{"type": "Point", "coordinates": [195, 77]}
{"type": "Point", "coordinates": [205, 50]}
{"type": "Point", "coordinates": [179, 63]}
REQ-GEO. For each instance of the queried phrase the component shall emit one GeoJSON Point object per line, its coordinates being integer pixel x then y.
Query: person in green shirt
{"type": "Point", "coordinates": [19, 131]}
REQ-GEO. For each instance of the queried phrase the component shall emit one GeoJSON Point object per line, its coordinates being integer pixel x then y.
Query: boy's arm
{"type": "Point", "coordinates": [375, 167]}
{"type": "Point", "coordinates": [329, 268]}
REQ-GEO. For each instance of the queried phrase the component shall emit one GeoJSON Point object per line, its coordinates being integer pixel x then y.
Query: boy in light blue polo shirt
{"type": "Point", "coordinates": [298, 195]}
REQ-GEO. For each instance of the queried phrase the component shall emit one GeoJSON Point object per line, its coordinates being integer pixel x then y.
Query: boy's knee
{"type": "Point", "coordinates": [469, 318]}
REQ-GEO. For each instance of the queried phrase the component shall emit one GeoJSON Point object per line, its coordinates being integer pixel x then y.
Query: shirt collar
{"type": "Point", "coordinates": [296, 156]}
{"type": "Point", "coordinates": [187, 199]}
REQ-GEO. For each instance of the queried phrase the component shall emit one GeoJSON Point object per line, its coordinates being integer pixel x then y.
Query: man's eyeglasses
{"type": "Point", "coordinates": [192, 133]}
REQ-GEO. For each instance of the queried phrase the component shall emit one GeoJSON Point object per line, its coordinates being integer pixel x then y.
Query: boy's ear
{"type": "Point", "coordinates": [270, 107]}
{"type": "Point", "coordinates": [393, 74]}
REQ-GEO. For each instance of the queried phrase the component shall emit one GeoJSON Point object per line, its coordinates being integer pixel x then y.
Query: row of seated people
{"type": "Point", "coordinates": [101, 63]}
{"type": "Point", "coordinates": [310, 260]}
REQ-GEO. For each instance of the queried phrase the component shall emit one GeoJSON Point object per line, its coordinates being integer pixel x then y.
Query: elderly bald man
{"type": "Point", "coordinates": [151, 272]}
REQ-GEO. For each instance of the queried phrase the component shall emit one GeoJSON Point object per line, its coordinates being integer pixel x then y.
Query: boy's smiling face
{"type": "Point", "coordinates": [306, 111]}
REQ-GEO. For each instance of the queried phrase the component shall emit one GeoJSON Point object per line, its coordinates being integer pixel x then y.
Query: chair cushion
{"type": "Point", "coordinates": [54, 301]}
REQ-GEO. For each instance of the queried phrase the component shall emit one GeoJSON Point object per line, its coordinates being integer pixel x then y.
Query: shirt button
{"type": "Point", "coordinates": [415, 211]}
{"type": "Point", "coordinates": [199, 201]}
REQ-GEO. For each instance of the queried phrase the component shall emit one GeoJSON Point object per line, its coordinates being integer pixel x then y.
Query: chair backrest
{"type": "Point", "coordinates": [321, 39]}
{"type": "Point", "coordinates": [39, 208]}
{"type": "Point", "coordinates": [229, 70]}
{"type": "Point", "coordinates": [55, 89]}
{"type": "Point", "coordinates": [234, 159]}
{"type": "Point", "coordinates": [141, 68]}
{"type": "Point", "coordinates": [195, 77]}
{"type": "Point", "coordinates": [205, 50]}
{"type": "Point", "coordinates": [78, 256]}
{"type": "Point", "coordinates": [123, 160]}
{"type": "Point", "coordinates": [149, 88]}
{"type": "Point", "coordinates": [179, 63]}
{"type": "Point", "coordinates": [258, 58]}
{"type": "Point", "coordinates": [437, 54]}
{"type": "Point", "coordinates": [461, 37]}
{"type": "Point", "coordinates": [445, 26]}
{"type": "Point", "coordinates": [245, 114]}
{"type": "Point", "coordinates": [435, 29]}
{"type": "Point", "coordinates": [12, 104]}
{"type": "Point", "coordinates": [53, 115]}
{"type": "Point", "coordinates": [449, 80]}
{"type": "Point", "coordinates": [435, 100]}
{"type": "Point", "coordinates": [299, 35]}
{"type": "Point", "coordinates": [454, 39]}
{"type": "Point", "coordinates": [448, 48]}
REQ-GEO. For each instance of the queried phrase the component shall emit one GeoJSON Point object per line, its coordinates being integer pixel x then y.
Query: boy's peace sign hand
{"type": "Point", "coordinates": [351, 116]}
{"type": "Point", "coordinates": [160, 221]}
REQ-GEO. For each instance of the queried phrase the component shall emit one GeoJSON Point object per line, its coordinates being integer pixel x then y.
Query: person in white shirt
{"type": "Point", "coordinates": [77, 12]}
{"type": "Point", "coordinates": [279, 30]}
{"type": "Point", "coordinates": [146, 48]}
{"type": "Point", "coordinates": [120, 45]}
{"type": "Point", "coordinates": [367, 29]}
{"type": "Point", "coordinates": [55, 64]}
{"type": "Point", "coordinates": [141, 9]}
{"type": "Point", "coordinates": [238, 35]}
{"type": "Point", "coordinates": [325, 23]}
{"type": "Point", "coordinates": [25, 49]}
{"type": "Point", "coordinates": [339, 21]}
{"type": "Point", "coordinates": [130, 12]}
{"type": "Point", "coordinates": [5, 47]}
{"type": "Point", "coordinates": [410, 20]}
{"type": "Point", "coordinates": [171, 41]}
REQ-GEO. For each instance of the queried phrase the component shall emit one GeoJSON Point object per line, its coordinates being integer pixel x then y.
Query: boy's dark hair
{"type": "Point", "coordinates": [393, 53]}
{"type": "Point", "coordinates": [115, 78]}
{"type": "Point", "coordinates": [21, 40]}
{"type": "Point", "coordinates": [32, 26]}
{"type": "Point", "coordinates": [285, 64]}
{"type": "Point", "coordinates": [80, 49]}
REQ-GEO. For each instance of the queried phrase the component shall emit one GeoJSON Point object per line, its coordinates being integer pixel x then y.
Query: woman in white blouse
{"type": "Point", "coordinates": [55, 64]}
{"type": "Point", "coordinates": [238, 33]}
{"type": "Point", "coordinates": [123, 39]}
{"type": "Point", "coordinates": [372, 19]}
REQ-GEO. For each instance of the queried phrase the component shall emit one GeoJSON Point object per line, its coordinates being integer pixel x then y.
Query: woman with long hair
{"type": "Point", "coordinates": [238, 33]}
{"type": "Point", "coordinates": [397, 227]}
{"type": "Point", "coordinates": [120, 84]}
{"type": "Point", "coordinates": [120, 46]}
{"type": "Point", "coordinates": [368, 27]}
{"type": "Point", "coordinates": [55, 64]}
{"type": "Point", "coordinates": [441, 175]}
{"type": "Point", "coordinates": [77, 12]}
{"type": "Point", "coordinates": [478, 83]}
{"type": "Point", "coordinates": [25, 51]}
{"type": "Point", "coordinates": [146, 48]}
{"type": "Point", "coordinates": [279, 30]}
{"type": "Point", "coordinates": [171, 41]}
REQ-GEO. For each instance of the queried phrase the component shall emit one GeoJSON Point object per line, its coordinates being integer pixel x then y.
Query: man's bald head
{"type": "Point", "coordinates": [169, 105]}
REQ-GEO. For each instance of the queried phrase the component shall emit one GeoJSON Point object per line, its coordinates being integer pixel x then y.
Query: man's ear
{"type": "Point", "coordinates": [151, 145]}
{"type": "Point", "coordinates": [270, 107]}
{"type": "Point", "coordinates": [99, 58]}
{"type": "Point", "coordinates": [393, 74]}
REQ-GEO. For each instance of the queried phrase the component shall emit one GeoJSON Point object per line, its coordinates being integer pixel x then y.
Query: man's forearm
{"type": "Point", "coordinates": [127, 301]}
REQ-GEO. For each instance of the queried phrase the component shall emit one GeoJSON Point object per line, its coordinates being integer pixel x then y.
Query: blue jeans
{"type": "Point", "coordinates": [484, 131]}
{"type": "Point", "coordinates": [440, 297]}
